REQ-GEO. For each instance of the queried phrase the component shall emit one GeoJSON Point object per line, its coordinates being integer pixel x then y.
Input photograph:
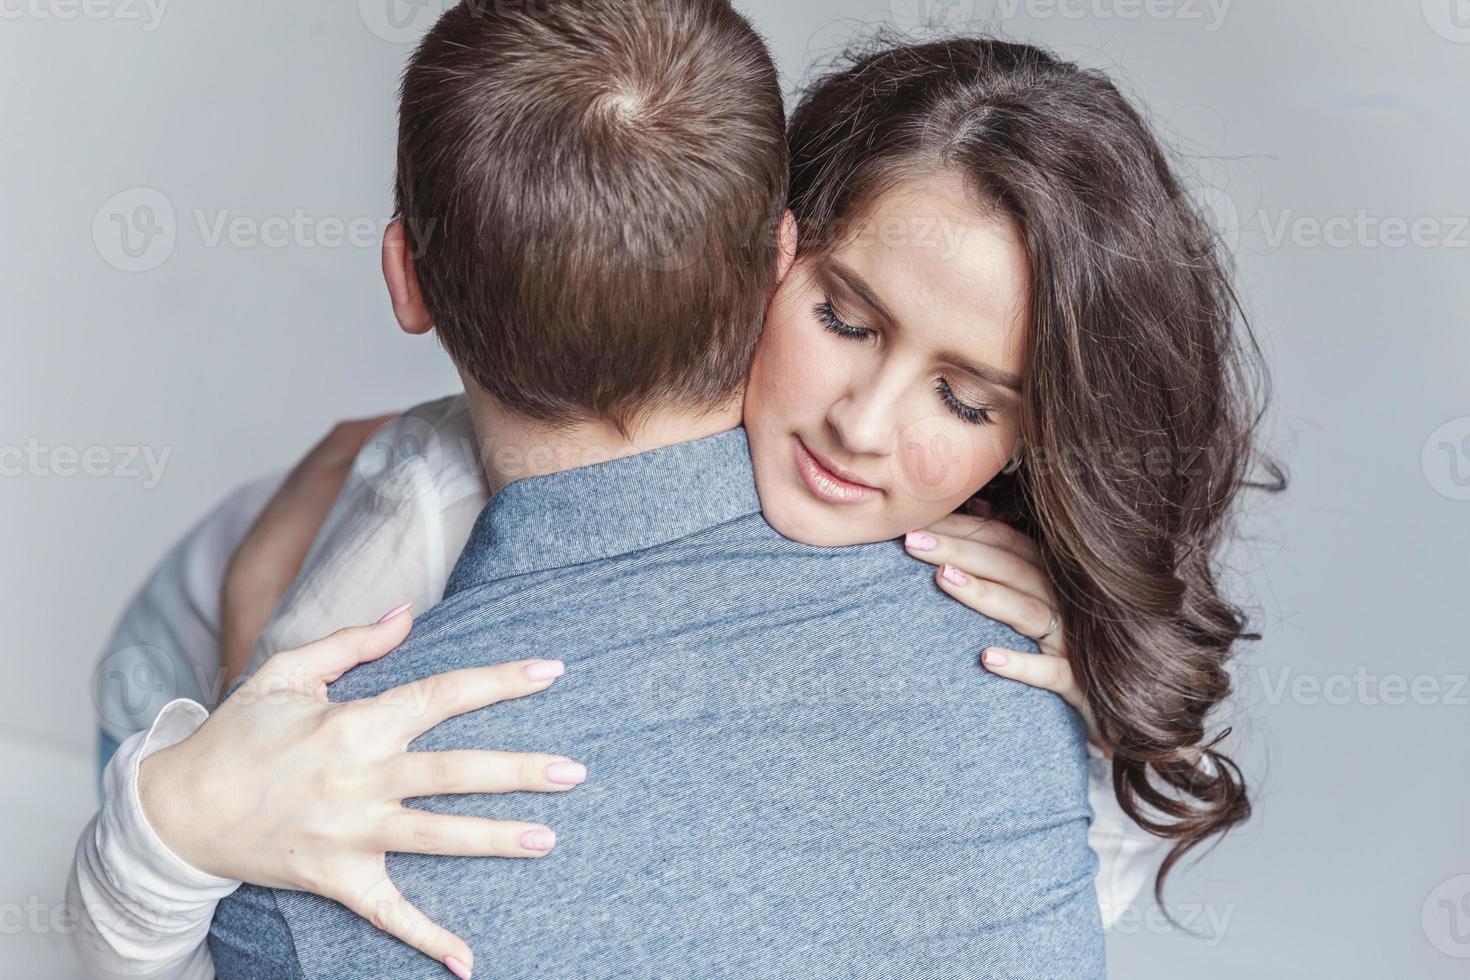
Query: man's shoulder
{"type": "Point", "coordinates": [738, 583]}
{"type": "Point", "coordinates": [887, 586]}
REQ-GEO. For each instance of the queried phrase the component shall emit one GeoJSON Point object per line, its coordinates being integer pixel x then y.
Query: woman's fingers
{"type": "Point", "coordinates": [485, 771]}
{"type": "Point", "coordinates": [979, 559]}
{"type": "Point", "coordinates": [414, 708]}
{"type": "Point", "coordinates": [421, 832]}
{"type": "Point", "coordinates": [1048, 673]}
{"type": "Point", "coordinates": [372, 895]}
{"type": "Point", "coordinates": [988, 531]}
{"type": "Point", "coordinates": [332, 656]}
{"type": "Point", "coordinates": [1021, 611]}
{"type": "Point", "coordinates": [1037, 669]}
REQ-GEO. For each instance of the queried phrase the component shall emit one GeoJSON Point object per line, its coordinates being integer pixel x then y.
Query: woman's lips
{"type": "Point", "coordinates": [825, 484]}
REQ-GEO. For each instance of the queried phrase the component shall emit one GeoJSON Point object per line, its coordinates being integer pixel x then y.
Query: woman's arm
{"type": "Point", "coordinates": [271, 553]}
{"type": "Point", "coordinates": [267, 768]}
{"type": "Point", "coordinates": [141, 912]}
{"type": "Point", "coordinates": [145, 911]}
{"type": "Point", "coordinates": [996, 570]}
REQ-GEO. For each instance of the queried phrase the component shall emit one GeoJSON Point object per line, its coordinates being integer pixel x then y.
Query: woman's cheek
{"type": "Point", "coordinates": [794, 379]}
{"type": "Point", "coordinates": [939, 463]}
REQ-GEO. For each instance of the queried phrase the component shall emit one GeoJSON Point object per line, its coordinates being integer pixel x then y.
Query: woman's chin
{"type": "Point", "coordinates": [820, 525]}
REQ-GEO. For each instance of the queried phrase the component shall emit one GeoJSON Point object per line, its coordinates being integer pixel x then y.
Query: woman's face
{"type": "Point", "coordinates": [885, 390]}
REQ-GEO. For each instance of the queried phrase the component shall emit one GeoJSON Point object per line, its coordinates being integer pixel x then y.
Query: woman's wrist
{"type": "Point", "coordinates": [168, 793]}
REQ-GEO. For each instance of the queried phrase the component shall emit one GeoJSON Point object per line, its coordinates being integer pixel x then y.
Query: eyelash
{"type": "Point", "coordinates": [973, 414]}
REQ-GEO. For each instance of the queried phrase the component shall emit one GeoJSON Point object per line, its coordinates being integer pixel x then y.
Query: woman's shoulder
{"type": "Point", "coordinates": [395, 530]}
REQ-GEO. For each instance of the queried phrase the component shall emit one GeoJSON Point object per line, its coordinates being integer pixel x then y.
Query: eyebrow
{"type": "Point", "coordinates": [984, 372]}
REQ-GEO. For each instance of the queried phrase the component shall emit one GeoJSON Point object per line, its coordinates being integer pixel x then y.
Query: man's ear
{"type": "Point", "coordinates": [786, 237]}
{"type": "Point", "coordinates": [403, 280]}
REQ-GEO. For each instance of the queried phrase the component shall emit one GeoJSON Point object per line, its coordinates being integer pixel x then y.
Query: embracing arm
{"type": "Point", "coordinates": [266, 769]}
{"type": "Point", "coordinates": [145, 910]}
{"type": "Point", "coordinates": [141, 911]}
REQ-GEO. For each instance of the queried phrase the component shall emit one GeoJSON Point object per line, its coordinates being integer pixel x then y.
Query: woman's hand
{"type": "Point", "coordinates": [282, 788]}
{"type": "Point", "coordinates": [268, 558]}
{"type": "Point", "coordinates": [996, 570]}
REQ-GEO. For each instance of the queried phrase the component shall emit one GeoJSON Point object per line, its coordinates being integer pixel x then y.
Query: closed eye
{"type": "Point", "coordinates": [973, 414]}
{"type": "Point", "coordinates": [829, 318]}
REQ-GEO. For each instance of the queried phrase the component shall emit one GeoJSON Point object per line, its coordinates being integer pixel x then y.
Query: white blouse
{"type": "Point", "coordinates": [393, 536]}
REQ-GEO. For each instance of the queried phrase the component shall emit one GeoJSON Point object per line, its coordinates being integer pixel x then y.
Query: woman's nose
{"type": "Point", "coordinates": [864, 423]}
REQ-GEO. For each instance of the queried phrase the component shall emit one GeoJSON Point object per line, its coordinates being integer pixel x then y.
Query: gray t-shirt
{"type": "Point", "coordinates": [797, 767]}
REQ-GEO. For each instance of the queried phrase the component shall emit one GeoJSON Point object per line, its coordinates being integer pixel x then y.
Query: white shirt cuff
{"type": "Point", "coordinates": [153, 869]}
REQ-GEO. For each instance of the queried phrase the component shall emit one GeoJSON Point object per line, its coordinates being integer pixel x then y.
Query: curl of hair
{"type": "Point", "coordinates": [1141, 400]}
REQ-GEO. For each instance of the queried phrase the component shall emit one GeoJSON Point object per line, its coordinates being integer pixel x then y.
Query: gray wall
{"type": "Point", "coordinates": [1331, 138]}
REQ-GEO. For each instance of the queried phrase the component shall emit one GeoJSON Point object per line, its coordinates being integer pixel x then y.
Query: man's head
{"type": "Point", "coordinates": [596, 186]}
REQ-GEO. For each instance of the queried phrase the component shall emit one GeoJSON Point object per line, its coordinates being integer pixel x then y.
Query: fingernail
{"type": "Point", "coordinates": [396, 611]}
{"type": "Point", "coordinates": [920, 541]}
{"type": "Point", "coordinates": [955, 575]}
{"type": "Point", "coordinates": [457, 968]}
{"type": "Point", "coordinates": [994, 658]}
{"type": "Point", "coordinates": [538, 840]}
{"type": "Point", "coordinates": [566, 773]}
{"type": "Point", "coordinates": [544, 670]}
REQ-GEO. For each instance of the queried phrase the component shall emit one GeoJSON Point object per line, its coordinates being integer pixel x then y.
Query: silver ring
{"type": "Point", "coordinates": [1050, 629]}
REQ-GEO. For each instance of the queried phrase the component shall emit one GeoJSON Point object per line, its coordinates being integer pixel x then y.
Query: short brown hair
{"type": "Point", "coordinates": [600, 182]}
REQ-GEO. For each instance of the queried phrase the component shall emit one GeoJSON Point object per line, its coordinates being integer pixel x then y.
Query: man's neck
{"type": "Point", "coordinates": [513, 447]}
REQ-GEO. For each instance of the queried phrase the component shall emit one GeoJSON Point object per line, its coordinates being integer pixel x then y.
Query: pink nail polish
{"type": "Point", "coordinates": [457, 968]}
{"type": "Point", "coordinates": [538, 840]}
{"type": "Point", "coordinates": [566, 773]}
{"type": "Point", "coordinates": [995, 658]}
{"type": "Point", "coordinates": [921, 541]}
{"type": "Point", "coordinates": [396, 611]}
{"type": "Point", "coordinates": [955, 575]}
{"type": "Point", "coordinates": [544, 670]}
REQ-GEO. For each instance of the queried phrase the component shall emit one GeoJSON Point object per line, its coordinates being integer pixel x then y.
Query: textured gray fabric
{"type": "Point", "coordinates": [797, 767]}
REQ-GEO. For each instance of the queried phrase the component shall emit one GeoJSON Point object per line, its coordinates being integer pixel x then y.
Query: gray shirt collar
{"type": "Point", "coordinates": [612, 508]}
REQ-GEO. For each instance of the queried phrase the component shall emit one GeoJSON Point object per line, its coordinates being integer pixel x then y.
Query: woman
{"type": "Point", "coordinates": [958, 204]}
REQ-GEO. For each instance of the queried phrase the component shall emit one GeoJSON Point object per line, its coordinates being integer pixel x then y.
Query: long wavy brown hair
{"type": "Point", "coordinates": [1144, 386]}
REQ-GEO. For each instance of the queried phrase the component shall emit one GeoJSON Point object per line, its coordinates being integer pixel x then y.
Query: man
{"type": "Point", "coordinates": [796, 767]}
